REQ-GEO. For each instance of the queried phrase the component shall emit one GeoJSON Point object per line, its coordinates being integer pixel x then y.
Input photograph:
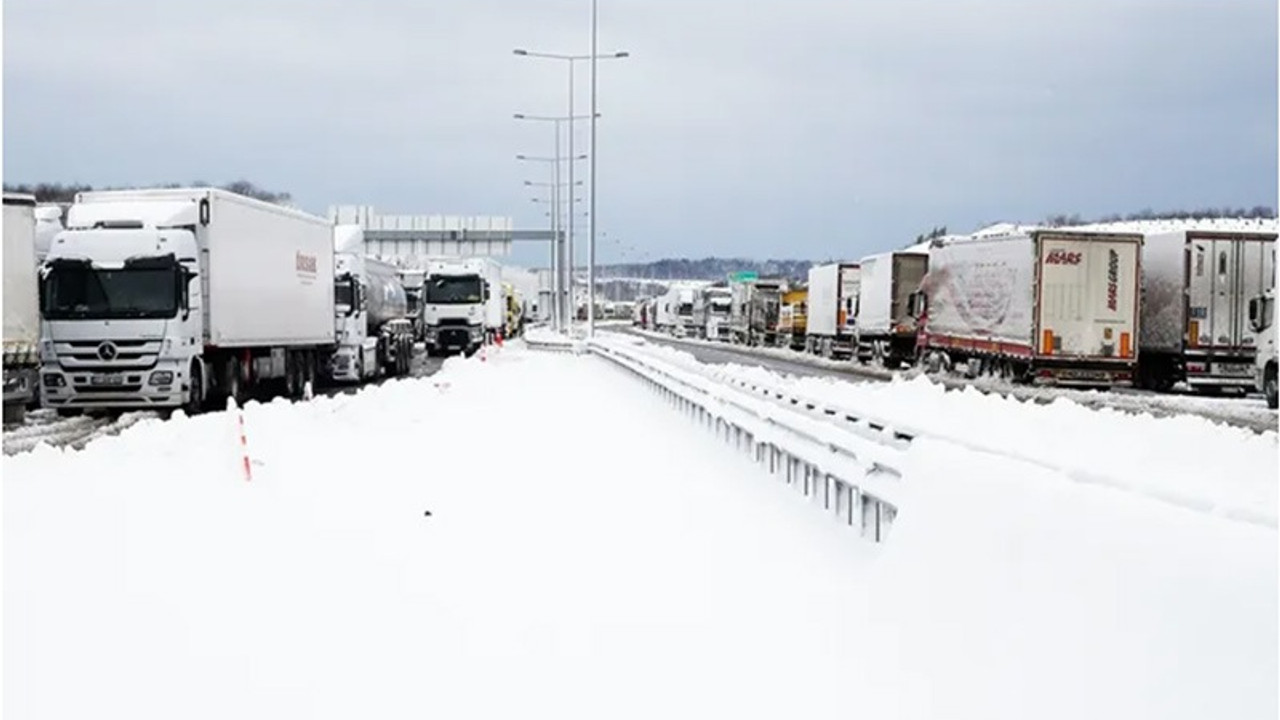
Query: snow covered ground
{"type": "Point", "coordinates": [1250, 412]}
{"type": "Point", "coordinates": [639, 570]}
{"type": "Point", "coordinates": [1185, 460]}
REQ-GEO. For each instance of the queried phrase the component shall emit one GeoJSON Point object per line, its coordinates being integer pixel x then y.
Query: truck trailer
{"type": "Point", "coordinates": [886, 332]}
{"type": "Point", "coordinates": [832, 327]}
{"type": "Point", "coordinates": [21, 306]}
{"type": "Point", "coordinates": [793, 318]}
{"type": "Point", "coordinates": [375, 332]}
{"type": "Point", "coordinates": [1048, 306]}
{"type": "Point", "coordinates": [168, 298]}
{"type": "Point", "coordinates": [755, 310]}
{"type": "Point", "coordinates": [1196, 288]}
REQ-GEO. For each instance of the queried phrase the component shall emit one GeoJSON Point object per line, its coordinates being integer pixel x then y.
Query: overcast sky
{"type": "Point", "coordinates": [776, 128]}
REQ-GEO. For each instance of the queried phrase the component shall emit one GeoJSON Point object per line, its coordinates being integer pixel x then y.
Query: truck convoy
{"type": "Point", "coordinates": [171, 298]}
{"type": "Point", "coordinates": [371, 311]}
{"type": "Point", "coordinates": [832, 327]}
{"type": "Point", "coordinates": [1049, 306]}
{"type": "Point", "coordinates": [886, 331]}
{"type": "Point", "coordinates": [461, 304]}
{"type": "Point", "coordinates": [21, 306]}
{"type": "Point", "coordinates": [1196, 288]}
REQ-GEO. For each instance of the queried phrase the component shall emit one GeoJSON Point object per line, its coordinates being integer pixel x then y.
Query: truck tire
{"type": "Point", "coordinates": [1271, 386]}
{"type": "Point", "coordinates": [195, 390]}
{"type": "Point", "coordinates": [234, 381]}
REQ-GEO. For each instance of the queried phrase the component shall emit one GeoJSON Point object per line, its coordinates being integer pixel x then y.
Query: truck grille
{"type": "Point", "coordinates": [107, 354]}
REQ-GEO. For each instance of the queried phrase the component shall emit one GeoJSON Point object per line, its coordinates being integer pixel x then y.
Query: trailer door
{"type": "Point", "coordinates": [1088, 303]}
{"type": "Point", "coordinates": [1225, 273]}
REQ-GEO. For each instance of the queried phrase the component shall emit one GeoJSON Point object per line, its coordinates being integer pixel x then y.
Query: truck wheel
{"type": "Point", "coordinates": [1271, 386]}
{"type": "Point", "coordinates": [292, 375]}
{"type": "Point", "coordinates": [234, 381]}
{"type": "Point", "coordinates": [195, 391]}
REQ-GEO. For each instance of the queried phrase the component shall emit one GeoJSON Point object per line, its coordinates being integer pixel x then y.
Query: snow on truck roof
{"type": "Point", "coordinates": [1264, 225]}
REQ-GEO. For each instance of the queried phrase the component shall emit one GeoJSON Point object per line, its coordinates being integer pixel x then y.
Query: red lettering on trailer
{"type": "Point", "coordinates": [1062, 257]}
{"type": "Point", "coordinates": [305, 263]}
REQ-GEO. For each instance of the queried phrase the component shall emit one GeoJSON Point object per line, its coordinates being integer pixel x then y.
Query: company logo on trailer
{"type": "Point", "coordinates": [1113, 278]}
{"type": "Point", "coordinates": [305, 263]}
{"type": "Point", "coordinates": [1062, 257]}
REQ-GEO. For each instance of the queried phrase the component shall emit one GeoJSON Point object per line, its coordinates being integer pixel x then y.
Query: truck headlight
{"type": "Point", "coordinates": [53, 380]}
{"type": "Point", "coordinates": [161, 377]}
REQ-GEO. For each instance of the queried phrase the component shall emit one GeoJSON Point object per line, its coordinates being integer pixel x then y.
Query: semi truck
{"type": "Point", "coordinates": [21, 306]}
{"type": "Point", "coordinates": [832, 328]}
{"type": "Point", "coordinates": [886, 332]}
{"type": "Point", "coordinates": [457, 297]}
{"type": "Point", "coordinates": [756, 306]}
{"type": "Point", "coordinates": [1046, 306]}
{"type": "Point", "coordinates": [177, 297]}
{"type": "Point", "coordinates": [717, 302]}
{"type": "Point", "coordinates": [375, 332]}
{"type": "Point", "coordinates": [793, 318]}
{"type": "Point", "coordinates": [1196, 288]}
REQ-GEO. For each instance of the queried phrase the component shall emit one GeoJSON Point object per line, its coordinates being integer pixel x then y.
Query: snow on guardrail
{"type": "Point", "coordinates": [854, 475]}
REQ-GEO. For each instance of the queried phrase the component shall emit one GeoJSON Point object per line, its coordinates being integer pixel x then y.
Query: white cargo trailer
{"type": "Point", "coordinates": [1053, 306]}
{"type": "Point", "coordinates": [833, 309]}
{"type": "Point", "coordinates": [1196, 288]}
{"type": "Point", "coordinates": [21, 306]}
{"type": "Point", "coordinates": [886, 332]}
{"type": "Point", "coordinates": [166, 298]}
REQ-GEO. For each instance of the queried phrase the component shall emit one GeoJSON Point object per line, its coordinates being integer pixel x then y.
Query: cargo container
{"type": "Point", "coordinates": [21, 306]}
{"type": "Point", "coordinates": [1196, 288]}
{"type": "Point", "coordinates": [1049, 306]}
{"type": "Point", "coordinates": [833, 309]}
{"type": "Point", "coordinates": [166, 298]}
{"type": "Point", "coordinates": [886, 331]}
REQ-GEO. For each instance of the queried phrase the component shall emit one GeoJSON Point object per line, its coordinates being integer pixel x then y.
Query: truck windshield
{"type": "Point", "coordinates": [454, 290]}
{"type": "Point", "coordinates": [83, 292]}
{"type": "Point", "coordinates": [685, 309]}
{"type": "Point", "coordinates": [720, 307]}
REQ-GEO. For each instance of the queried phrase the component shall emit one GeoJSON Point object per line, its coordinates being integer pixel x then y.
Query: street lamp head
{"type": "Point", "coordinates": [518, 51]}
{"type": "Point", "coordinates": [621, 54]}
{"type": "Point", "coordinates": [521, 157]}
{"type": "Point", "coordinates": [518, 116]}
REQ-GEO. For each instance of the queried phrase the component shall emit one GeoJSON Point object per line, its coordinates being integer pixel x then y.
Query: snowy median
{"type": "Point", "coordinates": [539, 535]}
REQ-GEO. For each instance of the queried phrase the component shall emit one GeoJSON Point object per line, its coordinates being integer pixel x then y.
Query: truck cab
{"type": "Point", "coordinates": [717, 304]}
{"type": "Point", "coordinates": [120, 302]}
{"type": "Point", "coordinates": [453, 308]}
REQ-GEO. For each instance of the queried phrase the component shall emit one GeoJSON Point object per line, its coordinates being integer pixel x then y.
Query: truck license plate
{"type": "Point", "coordinates": [1236, 370]}
{"type": "Point", "coordinates": [101, 380]}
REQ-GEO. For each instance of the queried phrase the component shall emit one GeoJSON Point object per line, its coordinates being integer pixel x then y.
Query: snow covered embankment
{"type": "Point", "coordinates": [652, 574]}
{"type": "Point", "coordinates": [1184, 460]}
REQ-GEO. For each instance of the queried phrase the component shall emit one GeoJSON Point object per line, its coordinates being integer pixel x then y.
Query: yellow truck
{"type": "Point", "coordinates": [793, 318]}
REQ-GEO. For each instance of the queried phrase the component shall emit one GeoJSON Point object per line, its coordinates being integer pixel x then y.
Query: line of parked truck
{"type": "Point", "coordinates": [1100, 306]}
{"type": "Point", "coordinates": [159, 299]}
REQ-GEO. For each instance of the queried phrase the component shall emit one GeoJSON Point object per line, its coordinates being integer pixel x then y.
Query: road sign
{"type": "Point", "coordinates": [744, 276]}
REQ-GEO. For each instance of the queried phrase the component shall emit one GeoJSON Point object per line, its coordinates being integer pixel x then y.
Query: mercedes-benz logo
{"type": "Point", "coordinates": [107, 350]}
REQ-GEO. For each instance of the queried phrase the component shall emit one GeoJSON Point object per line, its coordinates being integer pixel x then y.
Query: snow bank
{"type": "Point", "coordinates": [637, 570]}
{"type": "Point", "coordinates": [1184, 459]}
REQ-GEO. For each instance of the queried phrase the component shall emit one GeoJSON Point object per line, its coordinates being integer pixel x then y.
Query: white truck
{"type": "Point", "coordinates": [371, 311]}
{"type": "Point", "coordinates": [717, 304]}
{"type": "Point", "coordinates": [832, 327]}
{"type": "Point", "coordinates": [21, 306]}
{"type": "Point", "coordinates": [1049, 306]}
{"type": "Point", "coordinates": [886, 332]}
{"type": "Point", "coordinates": [168, 298]}
{"type": "Point", "coordinates": [665, 317]}
{"type": "Point", "coordinates": [413, 280]}
{"type": "Point", "coordinates": [461, 304]}
{"type": "Point", "coordinates": [1196, 288]}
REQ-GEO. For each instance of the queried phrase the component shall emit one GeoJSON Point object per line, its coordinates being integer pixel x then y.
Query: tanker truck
{"type": "Point", "coordinates": [372, 321]}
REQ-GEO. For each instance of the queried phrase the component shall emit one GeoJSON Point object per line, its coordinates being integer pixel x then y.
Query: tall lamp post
{"type": "Point", "coordinates": [566, 274]}
{"type": "Point", "coordinates": [571, 59]}
{"type": "Point", "coordinates": [557, 263]}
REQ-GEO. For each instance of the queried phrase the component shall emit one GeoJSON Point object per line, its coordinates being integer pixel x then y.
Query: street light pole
{"type": "Point", "coordinates": [591, 220]}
